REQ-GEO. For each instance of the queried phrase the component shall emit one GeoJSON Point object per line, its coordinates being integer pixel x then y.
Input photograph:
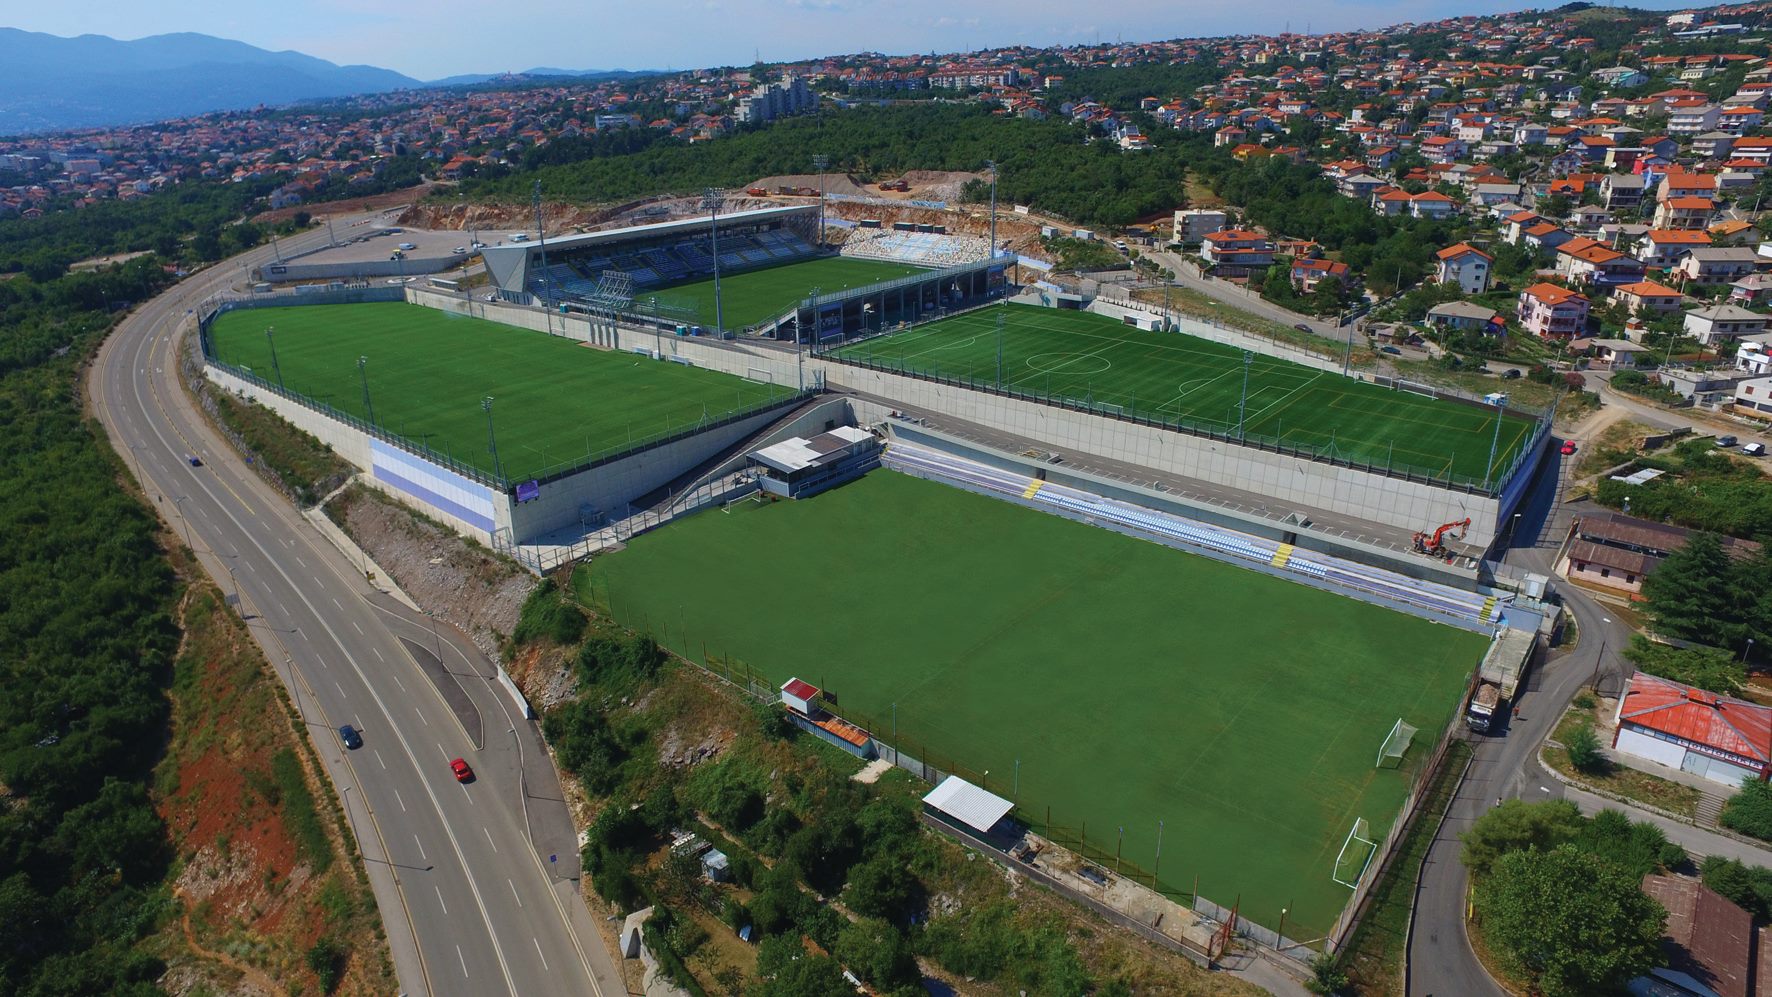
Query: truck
{"type": "Point", "coordinates": [1486, 705]}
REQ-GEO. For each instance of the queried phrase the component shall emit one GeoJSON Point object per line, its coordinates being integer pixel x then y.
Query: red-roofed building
{"type": "Point", "coordinates": [800, 695]}
{"type": "Point", "coordinates": [1307, 274]}
{"type": "Point", "coordinates": [1721, 738]}
{"type": "Point", "coordinates": [1464, 266]}
{"type": "Point", "coordinates": [1552, 312]}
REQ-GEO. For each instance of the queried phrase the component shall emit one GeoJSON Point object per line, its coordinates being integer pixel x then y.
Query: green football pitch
{"type": "Point", "coordinates": [1177, 378]}
{"type": "Point", "coordinates": [1108, 681]}
{"type": "Point", "coordinates": [555, 402]}
{"type": "Point", "coordinates": [758, 295]}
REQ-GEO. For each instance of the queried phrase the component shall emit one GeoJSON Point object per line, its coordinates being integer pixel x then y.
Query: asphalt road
{"type": "Point", "coordinates": [1505, 766]}
{"type": "Point", "coordinates": [475, 882]}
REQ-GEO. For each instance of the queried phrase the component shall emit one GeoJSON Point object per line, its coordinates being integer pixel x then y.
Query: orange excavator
{"type": "Point", "coordinates": [1433, 544]}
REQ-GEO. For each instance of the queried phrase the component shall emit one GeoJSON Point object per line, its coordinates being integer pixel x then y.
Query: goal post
{"type": "Point", "coordinates": [1396, 744]}
{"type": "Point", "coordinates": [1356, 854]}
{"type": "Point", "coordinates": [759, 375]}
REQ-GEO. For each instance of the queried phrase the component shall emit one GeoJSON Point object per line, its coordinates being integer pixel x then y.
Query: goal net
{"type": "Point", "coordinates": [1396, 743]}
{"type": "Point", "coordinates": [1355, 855]}
{"type": "Point", "coordinates": [759, 375]}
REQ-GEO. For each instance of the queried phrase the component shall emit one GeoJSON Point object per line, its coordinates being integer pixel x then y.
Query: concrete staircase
{"type": "Point", "coordinates": [1710, 807]}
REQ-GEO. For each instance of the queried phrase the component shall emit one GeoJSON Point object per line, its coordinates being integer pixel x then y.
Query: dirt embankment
{"type": "Point", "coordinates": [460, 582]}
{"type": "Point", "coordinates": [349, 205]}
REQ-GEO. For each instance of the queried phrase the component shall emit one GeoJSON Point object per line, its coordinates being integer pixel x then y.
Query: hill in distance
{"type": "Point", "coordinates": [55, 83]}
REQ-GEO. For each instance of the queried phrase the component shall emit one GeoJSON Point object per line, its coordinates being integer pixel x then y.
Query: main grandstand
{"type": "Point", "coordinates": [774, 275]}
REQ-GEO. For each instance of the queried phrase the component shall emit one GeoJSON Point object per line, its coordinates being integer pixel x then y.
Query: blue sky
{"type": "Point", "coordinates": [439, 38]}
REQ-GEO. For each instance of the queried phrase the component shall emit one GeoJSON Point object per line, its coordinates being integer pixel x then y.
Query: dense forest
{"type": "Point", "coordinates": [1049, 164]}
{"type": "Point", "coordinates": [89, 641]}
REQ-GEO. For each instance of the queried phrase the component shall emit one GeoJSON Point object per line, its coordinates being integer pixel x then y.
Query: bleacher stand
{"type": "Point", "coordinates": [926, 249]}
{"type": "Point", "coordinates": [673, 263]}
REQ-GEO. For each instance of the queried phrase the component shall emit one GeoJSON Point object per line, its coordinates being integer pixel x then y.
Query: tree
{"type": "Point", "coordinates": [1572, 921]}
{"type": "Point", "coordinates": [1518, 826]}
{"type": "Point", "coordinates": [1707, 668]}
{"type": "Point", "coordinates": [1689, 588]}
{"type": "Point", "coordinates": [1638, 847]}
{"type": "Point", "coordinates": [1749, 887]}
{"type": "Point", "coordinates": [788, 970]}
{"type": "Point", "coordinates": [883, 887]}
{"type": "Point", "coordinates": [1584, 750]}
{"type": "Point", "coordinates": [1750, 811]}
{"type": "Point", "coordinates": [878, 952]}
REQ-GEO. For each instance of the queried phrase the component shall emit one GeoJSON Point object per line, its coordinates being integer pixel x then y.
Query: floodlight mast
{"type": "Point", "coordinates": [541, 235]}
{"type": "Point", "coordinates": [820, 163]}
{"type": "Point", "coordinates": [712, 199]}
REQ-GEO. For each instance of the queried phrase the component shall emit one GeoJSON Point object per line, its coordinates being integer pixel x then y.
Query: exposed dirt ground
{"type": "Point", "coordinates": [350, 205]}
{"type": "Point", "coordinates": [462, 583]}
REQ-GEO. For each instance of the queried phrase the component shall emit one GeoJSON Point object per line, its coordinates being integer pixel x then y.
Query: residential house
{"type": "Point", "coordinates": [1713, 145]}
{"type": "Point", "coordinates": [1464, 266]}
{"type": "Point", "coordinates": [1754, 289]}
{"type": "Point", "coordinates": [1715, 264]}
{"type": "Point", "coordinates": [1753, 397]}
{"type": "Point", "coordinates": [1549, 311]}
{"type": "Point", "coordinates": [1614, 354]}
{"type": "Point", "coordinates": [1236, 252]}
{"type": "Point", "coordinates": [1586, 261]}
{"type": "Point", "coordinates": [1442, 149]}
{"type": "Point", "coordinates": [1589, 217]}
{"type": "Point", "coordinates": [1692, 117]}
{"type": "Point", "coordinates": [1720, 323]}
{"type": "Point", "coordinates": [1615, 551]}
{"type": "Point", "coordinates": [1431, 204]}
{"type": "Point", "coordinates": [1710, 945]}
{"type": "Point", "coordinates": [1308, 273]}
{"type": "Point", "coordinates": [1692, 212]}
{"type": "Point", "coordinates": [1648, 299]}
{"type": "Point", "coordinates": [1753, 358]}
{"type": "Point", "coordinates": [1711, 387]}
{"type": "Point", "coordinates": [1661, 247]}
{"type": "Point", "coordinates": [1194, 224]}
{"type": "Point", "coordinates": [1466, 316]}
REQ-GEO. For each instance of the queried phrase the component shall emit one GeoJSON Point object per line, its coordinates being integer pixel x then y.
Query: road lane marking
{"type": "Point", "coordinates": [400, 800]}
{"type": "Point", "coordinates": [544, 959]}
{"type": "Point", "coordinates": [514, 893]}
{"type": "Point", "coordinates": [377, 755]}
{"type": "Point", "coordinates": [401, 684]}
{"type": "Point", "coordinates": [301, 562]}
{"type": "Point", "coordinates": [378, 656]}
{"type": "Point", "coordinates": [494, 844]}
{"type": "Point", "coordinates": [446, 755]}
{"type": "Point", "coordinates": [422, 719]}
{"type": "Point", "coordinates": [464, 960]}
{"type": "Point", "coordinates": [335, 601]}
{"type": "Point", "coordinates": [464, 792]}
{"type": "Point", "coordinates": [422, 857]}
{"type": "Point", "coordinates": [360, 632]}
{"type": "Point", "coordinates": [440, 900]}
{"type": "Point", "coordinates": [341, 690]}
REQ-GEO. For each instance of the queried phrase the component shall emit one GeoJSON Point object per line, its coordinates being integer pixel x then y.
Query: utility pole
{"type": "Point", "coordinates": [999, 350]}
{"type": "Point", "coordinates": [711, 199]}
{"type": "Point", "coordinates": [541, 235]}
{"type": "Point", "coordinates": [492, 439]}
{"type": "Point", "coordinates": [820, 162]}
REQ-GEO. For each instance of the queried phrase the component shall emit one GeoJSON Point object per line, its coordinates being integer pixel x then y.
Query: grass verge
{"type": "Point", "coordinates": [1617, 780]}
{"type": "Point", "coordinates": [306, 466]}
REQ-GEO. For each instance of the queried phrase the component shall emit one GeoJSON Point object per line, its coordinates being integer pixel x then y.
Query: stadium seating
{"type": "Point", "coordinates": [927, 249]}
{"type": "Point", "coordinates": [689, 259]}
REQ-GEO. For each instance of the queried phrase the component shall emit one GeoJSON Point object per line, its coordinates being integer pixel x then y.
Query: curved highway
{"type": "Point", "coordinates": [476, 882]}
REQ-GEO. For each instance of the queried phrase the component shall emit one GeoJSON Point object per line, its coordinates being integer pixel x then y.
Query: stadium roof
{"type": "Point", "coordinates": [799, 453]}
{"type": "Point", "coordinates": [977, 808]}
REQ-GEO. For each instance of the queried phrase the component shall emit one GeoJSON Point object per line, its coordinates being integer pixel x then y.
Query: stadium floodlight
{"type": "Point", "coordinates": [1495, 441]}
{"type": "Point", "coordinates": [363, 372]}
{"type": "Point", "coordinates": [1243, 400]}
{"type": "Point", "coordinates": [272, 342]}
{"type": "Point", "coordinates": [492, 439]}
{"type": "Point", "coordinates": [820, 163]}
{"type": "Point", "coordinates": [711, 200]}
{"type": "Point", "coordinates": [541, 235]}
{"type": "Point", "coordinates": [993, 165]}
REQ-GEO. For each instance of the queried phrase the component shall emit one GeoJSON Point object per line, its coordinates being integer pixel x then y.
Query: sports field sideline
{"type": "Point", "coordinates": [1108, 678]}
{"type": "Point", "coordinates": [758, 295]}
{"type": "Point", "coordinates": [554, 401]}
{"type": "Point", "coordinates": [1179, 378]}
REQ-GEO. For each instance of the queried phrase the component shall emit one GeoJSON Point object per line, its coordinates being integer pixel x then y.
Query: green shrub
{"type": "Point", "coordinates": [548, 615]}
{"type": "Point", "coordinates": [327, 959]}
{"type": "Point", "coordinates": [1749, 887]}
{"type": "Point", "coordinates": [1584, 750]}
{"type": "Point", "coordinates": [1750, 811]}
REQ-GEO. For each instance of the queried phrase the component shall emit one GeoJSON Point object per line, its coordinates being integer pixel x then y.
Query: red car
{"type": "Point", "coordinates": [461, 770]}
{"type": "Point", "coordinates": [1568, 447]}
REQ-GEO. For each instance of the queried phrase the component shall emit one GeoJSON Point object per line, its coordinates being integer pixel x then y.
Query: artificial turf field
{"type": "Point", "coordinates": [1175, 377]}
{"type": "Point", "coordinates": [554, 400]}
{"type": "Point", "coordinates": [1135, 683]}
{"type": "Point", "coordinates": [754, 296]}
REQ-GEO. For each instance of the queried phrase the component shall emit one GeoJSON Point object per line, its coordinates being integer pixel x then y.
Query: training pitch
{"type": "Point", "coordinates": [754, 296]}
{"type": "Point", "coordinates": [555, 401]}
{"type": "Point", "coordinates": [1115, 681]}
{"type": "Point", "coordinates": [1173, 378]}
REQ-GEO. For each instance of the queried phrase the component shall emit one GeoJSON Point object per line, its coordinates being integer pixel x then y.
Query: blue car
{"type": "Point", "coordinates": [350, 737]}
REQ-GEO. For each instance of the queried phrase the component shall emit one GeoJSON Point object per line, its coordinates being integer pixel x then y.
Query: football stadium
{"type": "Point", "coordinates": [775, 277]}
{"type": "Point", "coordinates": [1106, 684]}
{"type": "Point", "coordinates": [1181, 380]}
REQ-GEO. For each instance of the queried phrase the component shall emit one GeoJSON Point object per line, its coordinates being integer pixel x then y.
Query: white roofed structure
{"type": "Point", "coordinates": [977, 808]}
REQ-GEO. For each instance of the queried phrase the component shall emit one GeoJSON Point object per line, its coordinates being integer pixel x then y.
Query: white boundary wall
{"type": "Point", "coordinates": [1311, 485]}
